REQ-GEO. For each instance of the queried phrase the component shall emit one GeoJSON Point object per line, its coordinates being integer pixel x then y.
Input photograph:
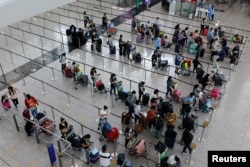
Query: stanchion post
{"type": "Point", "coordinates": [188, 161]}
{"type": "Point", "coordinates": [23, 48]}
{"type": "Point", "coordinates": [207, 67]}
{"type": "Point", "coordinates": [36, 134]}
{"type": "Point", "coordinates": [53, 75]}
{"type": "Point", "coordinates": [112, 100]}
{"type": "Point", "coordinates": [69, 105]}
{"type": "Point", "coordinates": [44, 91]}
{"type": "Point", "coordinates": [205, 124]}
{"type": "Point", "coordinates": [59, 153]}
{"type": "Point", "coordinates": [17, 127]}
{"type": "Point", "coordinates": [130, 85]}
{"type": "Point", "coordinates": [53, 114]}
{"type": "Point", "coordinates": [23, 79]}
{"type": "Point", "coordinates": [12, 60]}
{"type": "Point", "coordinates": [6, 42]}
{"type": "Point", "coordinates": [91, 89]}
{"type": "Point", "coordinates": [122, 69]}
{"type": "Point", "coordinates": [3, 73]}
{"type": "Point", "coordinates": [73, 161]}
{"type": "Point", "coordinates": [103, 66]}
{"type": "Point", "coordinates": [82, 130]}
{"type": "Point", "coordinates": [145, 75]}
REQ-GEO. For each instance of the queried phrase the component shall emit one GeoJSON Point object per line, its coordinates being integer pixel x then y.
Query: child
{"type": "Point", "coordinates": [5, 102]}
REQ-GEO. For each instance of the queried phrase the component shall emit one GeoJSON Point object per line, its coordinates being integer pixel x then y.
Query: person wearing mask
{"type": "Point", "coordinates": [93, 75]}
{"type": "Point", "coordinates": [202, 25]}
{"type": "Point", "coordinates": [137, 110]}
{"type": "Point", "coordinates": [104, 157]}
{"type": "Point", "coordinates": [187, 139]}
{"type": "Point", "coordinates": [196, 63]}
{"type": "Point", "coordinates": [62, 60]}
{"type": "Point", "coordinates": [12, 94]}
{"type": "Point", "coordinates": [86, 145]}
{"type": "Point", "coordinates": [113, 81]}
{"type": "Point", "coordinates": [64, 127]}
{"type": "Point", "coordinates": [104, 22]}
{"type": "Point", "coordinates": [131, 101]}
{"type": "Point", "coordinates": [31, 104]}
{"type": "Point", "coordinates": [170, 86]}
{"type": "Point", "coordinates": [141, 89]}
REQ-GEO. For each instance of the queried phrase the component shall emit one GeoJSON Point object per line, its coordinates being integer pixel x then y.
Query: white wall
{"type": "Point", "coordinates": [23, 9]}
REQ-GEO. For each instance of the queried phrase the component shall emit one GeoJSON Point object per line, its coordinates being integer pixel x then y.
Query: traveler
{"type": "Point", "coordinates": [62, 60]}
{"type": "Point", "coordinates": [12, 94]}
{"type": "Point", "coordinates": [86, 145]}
{"type": "Point", "coordinates": [93, 75]}
{"type": "Point", "coordinates": [187, 139]}
{"type": "Point", "coordinates": [104, 22]}
{"type": "Point", "coordinates": [196, 63]}
{"type": "Point", "coordinates": [113, 81]}
{"type": "Point", "coordinates": [104, 157]}
{"type": "Point", "coordinates": [137, 110]}
{"type": "Point", "coordinates": [64, 127]}
{"type": "Point", "coordinates": [141, 89]}
{"type": "Point", "coordinates": [31, 104]}
{"type": "Point", "coordinates": [170, 86]}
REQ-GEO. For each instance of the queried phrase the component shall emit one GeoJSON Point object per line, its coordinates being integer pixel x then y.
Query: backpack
{"type": "Point", "coordinates": [201, 80]}
{"type": "Point", "coordinates": [160, 147]}
{"type": "Point", "coordinates": [107, 127]}
{"type": "Point", "coordinates": [159, 123]}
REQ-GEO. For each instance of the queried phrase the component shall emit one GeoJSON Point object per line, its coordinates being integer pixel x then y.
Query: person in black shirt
{"type": "Point", "coordinates": [104, 22]}
{"type": "Point", "coordinates": [93, 75]}
{"type": "Point", "coordinates": [187, 139]}
{"type": "Point", "coordinates": [29, 127]}
{"type": "Point", "coordinates": [121, 46]}
{"type": "Point", "coordinates": [141, 89]}
{"type": "Point", "coordinates": [196, 62]}
{"type": "Point", "coordinates": [64, 127]}
{"type": "Point", "coordinates": [113, 81]}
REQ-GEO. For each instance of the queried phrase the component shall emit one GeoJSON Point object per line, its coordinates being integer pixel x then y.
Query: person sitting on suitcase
{"type": "Point", "coordinates": [103, 116]}
{"type": "Point", "coordinates": [129, 134]}
{"type": "Point", "coordinates": [64, 127]}
{"type": "Point", "coordinates": [31, 104]}
{"type": "Point", "coordinates": [29, 127]}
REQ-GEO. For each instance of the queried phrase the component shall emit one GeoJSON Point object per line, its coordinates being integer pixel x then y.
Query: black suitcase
{"type": "Point", "coordinates": [218, 79]}
{"type": "Point", "coordinates": [145, 99]}
{"type": "Point", "coordinates": [112, 50]}
{"type": "Point", "coordinates": [138, 58]}
{"type": "Point", "coordinates": [75, 141]}
{"type": "Point", "coordinates": [201, 53]}
{"type": "Point", "coordinates": [85, 80]}
{"type": "Point", "coordinates": [177, 48]}
{"type": "Point", "coordinates": [199, 73]}
{"type": "Point", "coordinates": [170, 137]}
{"type": "Point", "coordinates": [166, 107]}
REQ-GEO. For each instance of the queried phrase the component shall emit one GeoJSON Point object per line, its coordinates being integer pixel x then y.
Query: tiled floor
{"type": "Point", "coordinates": [84, 107]}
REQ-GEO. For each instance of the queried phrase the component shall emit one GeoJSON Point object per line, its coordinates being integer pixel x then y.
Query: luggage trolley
{"type": "Point", "coordinates": [75, 140]}
{"type": "Point", "coordinates": [45, 123]}
{"type": "Point", "coordinates": [111, 28]}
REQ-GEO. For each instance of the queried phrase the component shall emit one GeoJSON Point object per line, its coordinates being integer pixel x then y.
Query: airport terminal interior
{"type": "Point", "coordinates": [30, 51]}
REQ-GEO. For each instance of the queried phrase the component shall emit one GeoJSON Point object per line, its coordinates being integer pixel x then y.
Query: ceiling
{"type": "Point", "coordinates": [12, 11]}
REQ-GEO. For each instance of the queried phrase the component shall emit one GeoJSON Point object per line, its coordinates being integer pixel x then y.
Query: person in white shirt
{"type": "Point", "coordinates": [109, 41]}
{"type": "Point", "coordinates": [62, 60]}
{"type": "Point", "coordinates": [103, 116]}
{"type": "Point", "coordinates": [137, 110]}
{"type": "Point", "coordinates": [157, 22]}
{"type": "Point", "coordinates": [104, 157]}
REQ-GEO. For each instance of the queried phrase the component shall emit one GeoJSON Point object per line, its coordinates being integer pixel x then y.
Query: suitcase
{"type": "Point", "coordinates": [188, 62]}
{"type": "Point", "coordinates": [148, 39]}
{"type": "Point", "coordinates": [138, 38]}
{"type": "Point", "coordinates": [85, 80]}
{"type": "Point", "coordinates": [177, 48]}
{"type": "Point", "coordinates": [145, 99]}
{"type": "Point", "coordinates": [6, 104]}
{"type": "Point", "coordinates": [68, 72]}
{"type": "Point", "coordinates": [177, 95]}
{"type": "Point", "coordinates": [218, 79]}
{"type": "Point", "coordinates": [75, 141]}
{"type": "Point", "coordinates": [94, 155]}
{"type": "Point", "coordinates": [125, 118]}
{"type": "Point", "coordinates": [26, 114]}
{"type": "Point", "coordinates": [112, 50]}
{"type": "Point", "coordinates": [215, 93]}
{"type": "Point", "coordinates": [205, 31]}
{"type": "Point", "coordinates": [177, 60]}
{"type": "Point", "coordinates": [170, 137]}
{"type": "Point", "coordinates": [193, 48]}
{"type": "Point", "coordinates": [123, 94]}
{"type": "Point", "coordinates": [139, 147]}
{"type": "Point", "coordinates": [201, 53]}
{"type": "Point", "coordinates": [99, 48]}
{"type": "Point", "coordinates": [138, 58]}
{"type": "Point", "coordinates": [138, 128]}
{"type": "Point", "coordinates": [112, 30]}
{"type": "Point", "coordinates": [113, 134]}
{"type": "Point", "coordinates": [199, 73]}
{"type": "Point", "coordinates": [49, 125]}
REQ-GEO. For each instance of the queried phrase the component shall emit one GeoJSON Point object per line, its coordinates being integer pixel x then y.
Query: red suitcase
{"type": "Point", "coordinates": [215, 93]}
{"type": "Point", "coordinates": [188, 62]}
{"type": "Point", "coordinates": [139, 147]}
{"type": "Point", "coordinates": [113, 134]}
{"type": "Point", "coordinates": [26, 114]}
{"type": "Point", "coordinates": [177, 95]}
{"type": "Point", "coordinates": [48, 125]}
{"type": "Point", "coordinates": [205, 32]}
{"type": "Point", "coordinates": [125, 118]}
{"type": "Point", "coordinates": [6, 104]}
{"type": "Point", "coordinates": [68, 72]}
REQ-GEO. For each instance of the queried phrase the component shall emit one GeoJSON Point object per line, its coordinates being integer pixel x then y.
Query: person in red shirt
{"type": "Point", "coordinates": [31, 104]}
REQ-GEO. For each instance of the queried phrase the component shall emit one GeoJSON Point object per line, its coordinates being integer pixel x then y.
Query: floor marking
{"type": "Point", "coordinates": [10, 149]}
{"type": "Point", "coordinates": [32, 163]}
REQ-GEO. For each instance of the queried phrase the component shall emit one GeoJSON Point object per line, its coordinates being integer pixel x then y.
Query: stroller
{"type": "Point", "coordinates": [99, 86]}
{"type": "Point", "coordinates": [45, 123]}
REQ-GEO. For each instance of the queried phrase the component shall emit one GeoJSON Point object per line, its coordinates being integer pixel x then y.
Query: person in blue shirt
{"type": "Point", "coordinates": [158, 42]}
{"type": "Point", "coordinates": [187, 104]}
{"type": "Point", "coordinates": [201, 5]}
{"type": "Point", "coordinates": [211, 13]}
{"type": "Point", "coordinates": [210, 36]}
